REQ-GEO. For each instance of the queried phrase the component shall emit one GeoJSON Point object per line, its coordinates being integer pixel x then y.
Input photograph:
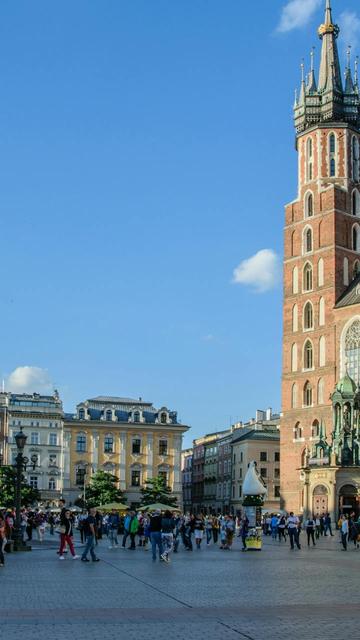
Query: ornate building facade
{"type": "Point", "coordinates": [321, 314]}
{"type": "Point", "coordinates": [128, 438]}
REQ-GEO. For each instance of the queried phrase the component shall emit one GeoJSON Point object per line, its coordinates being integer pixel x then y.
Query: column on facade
{"type": "Point", "coordinates": [149, 455]}
{"type": "Point", "coordinates": [177, 440]}
{"type": "Point", "coordinates": [122, 460]}
{"type": "Point", "coordinates": [95, 450]}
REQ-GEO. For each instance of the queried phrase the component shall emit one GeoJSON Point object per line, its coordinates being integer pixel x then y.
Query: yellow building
{"type": "Point", "coordinates": [128, 438]}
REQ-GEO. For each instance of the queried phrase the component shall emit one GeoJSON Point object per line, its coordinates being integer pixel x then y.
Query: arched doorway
{"type": "Point", "coordinates": [320, 500]}
{"type": "Point", "coordinates": [348, 500]}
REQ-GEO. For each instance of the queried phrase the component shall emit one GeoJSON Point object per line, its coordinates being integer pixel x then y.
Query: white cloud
{"type": "Point", "coordinates": [262, 271]}
{"type": "Point", "coordinates": [296, 14]}
{"type": "Point", "coordinates": [209, 337]}
{"type": "Point", "coordinates": [29, 380]}
{"type": "Point", "coordinates": [349, 28]}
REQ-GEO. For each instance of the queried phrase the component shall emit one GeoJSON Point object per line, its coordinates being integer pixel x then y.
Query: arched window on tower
{"type": "Point", "coordinates": [308, 321]}
{"type": "Point", "coordinates": [332, 155]}
{"type": "Point", "coordinates": [355, 203]}
{"type": "Point", "coordinates": [308, 277]}
{"type": "Point", "coordinates": [315, 429]}
{"type": "Point", "coordinates": [297, 431]}
{"type": "Point", "coordinates": [321, 273]}
{"type": "Point", "coordinates": [308, 395]}
{"type": "Point", "coordinates": [294, 396]}
{"type": "Point", "coordinates": [346, 271]}
{"type": "Point", "coordinates": [321, 311]}
{"type": "Point", "coordinates": [293, 243]}
{"type": "Point", "coordinates": [295, 280]}
{"type": "Point", "coordinates": [309, 205]}
{"type": "Point", "coordinates": [320, 391]}
{"type": "Point", "coordinates": [309, 159]}
{"type": "Point", "coordinates": [294, 358]}
{"type": "Point", "coordinates": [308, 355]}
{"type": "Point", "coordinates": [307, 240]}
{"type": "Point", "coordinates": [356, 269]}
{"type": "Point", "coordinates": [295, 318]}
{"type": "Point", "coordinates": [355, 237]}
{"type": "Point", "coordinates": [322, 352]}
{"type": "Point", "coordinates": [355, 159]}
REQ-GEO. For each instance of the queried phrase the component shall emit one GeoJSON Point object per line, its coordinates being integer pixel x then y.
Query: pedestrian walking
{"type": "Point", "coordinates": [199, 531]}
{"type": "Point", "coordinates": [327, 525]}
{"type": "Point", "coordinates": [215, 529]}
{"type": "Point", "coordinates": [208, 529]}
{"type": "Point", "coordinates": [90, 537]}
{"type": "Point", "coordinates": [134, 527]}
{"type": "Point", "coordinates": [167, 535]}
{"type": "Point", "coordinates": [293, 529]}
{"type": "Point", "coordinates": [310, 530]}
{"type": "Point", "coordinates": [155, 534]}
{"type": "Point", "coordinates": [2, 541]}
{"type": "Point", "coordinates": [344, 532]}
{"type": "Point", "coordinates": [113, 525]}
{"type": "Point", "coordinates": [244, 530]}
{"type": "Point", "coordinates": [67, 537]}
{"type": "Point", "coordinates": [127, 522]}
{"type": "Point", "coordinates": [281, 528]}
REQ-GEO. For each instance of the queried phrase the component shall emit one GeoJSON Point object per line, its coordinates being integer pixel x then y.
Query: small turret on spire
{"type": "Point", "coordinates": [356, 81]}
{"type": "Point", "coordinates": [349, 85]}
{"type": "Point", "coordinates": [302, 90]}
{"type": "Point", "coordinates": [311, 87]}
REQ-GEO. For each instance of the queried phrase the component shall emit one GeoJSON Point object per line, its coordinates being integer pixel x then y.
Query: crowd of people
{"type": "Point", "coordinates": [162, 532]}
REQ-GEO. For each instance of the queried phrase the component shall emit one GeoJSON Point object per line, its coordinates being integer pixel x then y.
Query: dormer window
{"type": "Point", "coordinates": [81, 414]}
{"type": "Point", "coordinates": [163, 417]}
{"type": "Point", "coordinates": [136, 416]}
{"type": "Point", "coordinates": [108, 415]}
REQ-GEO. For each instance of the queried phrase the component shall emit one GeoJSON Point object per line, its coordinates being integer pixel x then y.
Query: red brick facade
{"type": "Point", "coordinates": [330, 219]}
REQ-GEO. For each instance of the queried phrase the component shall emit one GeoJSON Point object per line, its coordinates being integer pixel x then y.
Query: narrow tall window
{"type": "Point", "coordinates": [321, 391]}
{"type": "Point", "coordinates": [108, 443]}
{"type": "Point", "coordinates": [355, 159]}
{"type": "Point", "coordinates": [308, 280]}
{"type": "Point", "coordinates": [294, 396]}
{"type": "Point", "coordinates": [321, 273]}
{"type": "Point", "coordinates": [309, 159]}
{"type": "Point", "coordinates": [307, 395]}
{"type": "Point", "coordinates": [332, 155]}
{"type": "Point", "coordinates": [309, 205]}
{"type": "Point", "coordinates": [356, 269]}
{"type": "Point", "coordinates": [308, 316]}
{"type": "Point", "coordinates": [355, 203]}
{"type": "Point", "coordinates": [346, 271]}
{"type": "Point", "coordinates": [355, 238]}
{"type": "Point", "coordinates": [321, 311]}
{"type": "Point", "coordinates": [308, 355]}
{"type": "Point", "coordinates": [307, 240]}
{"type": "Point", "coordinates": [295, 318]}
{"type": "Point", "coordinates": [322, 352]}
{"type": "Point", "coordinates": [294, 358]}
{"type": "Point", "coordinates": [295, 280]}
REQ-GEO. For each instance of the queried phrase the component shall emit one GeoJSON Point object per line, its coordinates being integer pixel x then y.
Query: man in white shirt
{"type": "Point", "coordinates": [293, 529]}
{"type": "Point", "coordinates": [344, 532]}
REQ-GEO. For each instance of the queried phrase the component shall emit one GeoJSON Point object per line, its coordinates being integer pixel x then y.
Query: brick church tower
{"type": "Point", "coordinates": [321, 266]}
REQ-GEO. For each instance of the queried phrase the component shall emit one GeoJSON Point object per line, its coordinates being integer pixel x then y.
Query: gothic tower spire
{"type": "Point", "coordinates": [330, 74]}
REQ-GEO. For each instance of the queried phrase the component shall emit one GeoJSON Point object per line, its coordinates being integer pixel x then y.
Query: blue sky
{"type": "Point", "coordinates": [147, 149]}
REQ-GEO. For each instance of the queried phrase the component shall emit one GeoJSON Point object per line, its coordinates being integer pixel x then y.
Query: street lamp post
{"type": "Point", "coordinates": [21, 463]}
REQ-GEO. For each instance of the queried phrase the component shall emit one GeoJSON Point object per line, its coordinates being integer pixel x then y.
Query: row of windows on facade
{"type": "Point", "coordinates": [109, 444]}
{"type": "Point", "coordinates": [309, 209]}
{"type": "Point", "coordinates": [308, 355]}
{"type": "Point", "coordinates": [135, 476]}
{"type": "Point", "coordinates": [299, 431]}
{"type": "Point", "coordinates": [27, 423]}
{"type": "Point", "coordinates": [52, 459]}
{"type": "Point", "coordinates": [263, 473]}
{"type": "Point", "coordinates": [308, 279]}
{"type": "Point", "coordinates": [135, 416]}
{"type": "Point", "coordinates": [308, 395]}
{"type": "Point", "coordinates": [308, 243]}
{"type": "Point", "coordinates": [332, 158]}
{"type": "Point", "coordinates": [35, 438]}
{"type": "Point", "coordinates": [34, 483]}
{"type": "Point", "coordinates": [308, 315]}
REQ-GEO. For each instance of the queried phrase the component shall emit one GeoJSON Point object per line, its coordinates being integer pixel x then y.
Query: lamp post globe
{"type": "Point", "coordinates": [20, 439]}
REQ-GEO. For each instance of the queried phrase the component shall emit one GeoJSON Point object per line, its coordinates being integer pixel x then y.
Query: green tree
{"type": "Point", "coordinates": [101, 489]}
{"type": "Point", "coordinates": [156, 490]}
{"type": "Point", "coordinates": [29, 495]}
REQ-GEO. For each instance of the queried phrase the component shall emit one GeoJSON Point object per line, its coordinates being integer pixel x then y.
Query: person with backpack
{"type": "Point", "coordinates": [310, 526]}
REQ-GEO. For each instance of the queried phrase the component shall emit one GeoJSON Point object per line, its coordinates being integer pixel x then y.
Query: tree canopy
{"type": "Point", "coordinates": [156, 490]}
{"type": "Point", "coordinates": [101, 489]}
{"type": "Point", "coordinates": [29, 495]}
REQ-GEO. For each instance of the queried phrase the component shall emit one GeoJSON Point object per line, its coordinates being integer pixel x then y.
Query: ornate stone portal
{"type": "Point", "coordinates": [331, 471]}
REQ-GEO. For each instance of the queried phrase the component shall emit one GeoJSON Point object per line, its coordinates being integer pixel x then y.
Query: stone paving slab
{"type": "Point", "coordinates": [203, 594]}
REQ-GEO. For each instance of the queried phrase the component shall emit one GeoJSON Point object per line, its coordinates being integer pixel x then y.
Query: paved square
{"type": "Point", "coordinates": [275, 593]}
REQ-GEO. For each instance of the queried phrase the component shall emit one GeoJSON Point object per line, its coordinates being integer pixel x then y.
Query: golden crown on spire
{"type": "Point", "coordinates": [328, 28]}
